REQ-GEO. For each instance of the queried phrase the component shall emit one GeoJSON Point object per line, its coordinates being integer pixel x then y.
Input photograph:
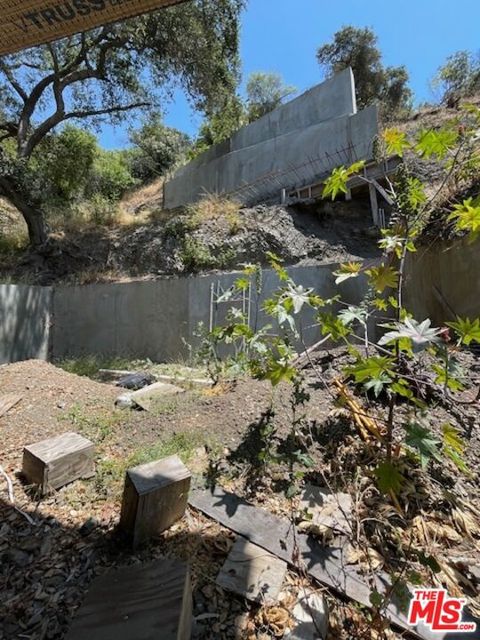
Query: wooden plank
{"type": "Point", "coordinates": [330, 510]}
{"type": "Point", "coordinates": [155, 496]}
{"type": "Point", "coordinates": [147, 397]}
{"type": "Point", "coordinates": [8, 401]}
{"type": "Point", "coordinates": [253, 573]}
{"type": "Point", "coordinates": [328, 565]}
{"type": "Point", "coordinates": [55, 462]}
{"type": "Point", "coordinates": [146, 602]}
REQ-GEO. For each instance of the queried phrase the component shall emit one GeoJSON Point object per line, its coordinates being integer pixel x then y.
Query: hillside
{"type": "Point", "coordinates": [146, 242]}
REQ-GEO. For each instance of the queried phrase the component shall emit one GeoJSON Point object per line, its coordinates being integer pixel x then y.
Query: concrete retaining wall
{"type": "Point", "coordinates": [25, 317]}
{"type": "Point", "coordinates": [156, 320]}
{"type": "Point", "coordinates": [444, 281]}
{"type": "Point", "coordinates": [159, 319]}
{"type": "Point", "coordinates": [312, 134]}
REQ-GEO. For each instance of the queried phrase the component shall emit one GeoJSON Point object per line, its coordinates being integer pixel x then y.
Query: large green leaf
{"type": "Point", "coordinates": [388, 477]}
{"type": "Point", "coordinates": [423, 442]}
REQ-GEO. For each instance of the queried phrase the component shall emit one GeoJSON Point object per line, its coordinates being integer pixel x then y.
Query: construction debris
{"type": "Point", "coordinates": [326, 510]}
{"type": "Point", "coordinates": [147, 397]}
{"type": "Point", "coordinates": [252, 573]}
{"type": "Point", "coordinates": [136, 381]}
{"type": "Point", "coordinates": [310, 616]}
{"type": "Point", "coordinates": [328, 565]}
{"type": "Point", "coordinates": [146, 601]}
{"type": "Point", "coordinates": [7, 402]}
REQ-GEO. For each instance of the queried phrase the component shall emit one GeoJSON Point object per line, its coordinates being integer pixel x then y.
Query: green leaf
{"type": "Point", "coordinates": [420, 333]}
{"type": "Point", "coordinates": [334, 326]}
{"type": "Point", "coordinates": [396, 141]}
{"type": "Point", "coordinates": [468, 330]}
{"type": "Point", "coordinates": [351, 314]}
{"type": "Point", "coordinates": [436, 143]}
{"type": "Point", "coordinates": [454, 446]}
{"type": "Point", "coordinates": [376, 599]}
{"type": "Point", "coordinates": [371, 368]}
{"type": "Point", "coordinates": [337, 181]}
{"type": "Point", "coordinates": [380, 304]}
{"type": "Point", "coordinates": [388, 477]}
{"type": "Point", "coordinates": [423, 442]}
{"type": "Point", "coordinates": [348, 270]}
{"type": "Point", "coordinates": [401, 387]}
{"type": "Point", "coordinates": [467, 216]}
{"type": "Point", "coordinates": [383, 277]}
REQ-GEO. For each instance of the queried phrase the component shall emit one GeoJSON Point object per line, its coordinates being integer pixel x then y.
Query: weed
{"type": "Point", "coordinates": [97, 426]}
{"type": "Point", "coordinates": [214, 206]}
{"type": "Point", "coordinates": [196, 255]}
{"type": "Point", "coordinates": [90, 365]}
{"type": "Point", "coordinates": [179, 227]}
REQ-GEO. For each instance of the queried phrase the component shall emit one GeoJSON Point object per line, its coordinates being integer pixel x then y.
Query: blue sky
{"type": "Point", "coordinates": [283, 36]}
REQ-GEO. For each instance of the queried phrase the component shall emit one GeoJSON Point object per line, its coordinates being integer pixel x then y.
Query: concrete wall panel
{"type": "Point", "coordinates": [25, 314]}
{"type": "Point", "coordinates": [330, 143]}
{"type": "Point", "coordinates": [315, 125]}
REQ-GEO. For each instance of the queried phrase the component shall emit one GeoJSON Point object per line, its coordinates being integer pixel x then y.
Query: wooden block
{"type": "Point", "coordinates": [155, 496]}
{"type": "Point", "coordinates": [57, 461]}
{"type": "Point", "coordinates": [253, 573]}
{"type": "Point", "coordinates": [141, 602]}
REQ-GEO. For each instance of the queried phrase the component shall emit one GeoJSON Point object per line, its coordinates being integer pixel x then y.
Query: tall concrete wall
{"type": "Point", "coordinates": [443, 281]}
{"type": "Point", "coordinates": [25, 316]}
{"type": "Point", "coordinates": [321, 126]}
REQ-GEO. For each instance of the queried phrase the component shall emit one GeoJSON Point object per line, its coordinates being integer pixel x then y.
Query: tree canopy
{"type": "Point", "coordinates": [108, 73]}
{"type": "Point", "coordinates": [265, 92]}
{"type": "Point", "coordinates": [459, 77]}
{"type": "Point", "coordinates": [358, 48]}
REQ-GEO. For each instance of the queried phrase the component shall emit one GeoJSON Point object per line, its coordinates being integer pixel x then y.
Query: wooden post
{"type": "Point", "coordinates": [155, 496]}
{"type": "Point", "coordinates": [55, 462]}
{"type": "Point", "coordinates": [373, 202]}
{"type": "Point", "coordinates": [151, 601]}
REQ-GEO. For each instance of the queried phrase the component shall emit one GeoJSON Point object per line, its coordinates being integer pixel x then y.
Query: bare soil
{"type": "Point", "coordinates": [47, 567]}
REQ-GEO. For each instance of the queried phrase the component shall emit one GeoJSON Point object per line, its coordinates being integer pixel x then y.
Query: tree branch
{"type": "Point", "coordinates": [12, 80]}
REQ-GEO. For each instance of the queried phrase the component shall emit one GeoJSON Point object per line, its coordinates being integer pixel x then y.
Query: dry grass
{"type": "Point", "coordinates": [213, 207]}
{"type": "Point", "coordinates": [148, 197]}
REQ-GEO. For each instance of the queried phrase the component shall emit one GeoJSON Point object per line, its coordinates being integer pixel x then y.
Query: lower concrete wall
{"type": "Point", "coordinates": [443, 281]}
{"type": "Point", "coordinates": [25, 316]}
{"type": "Point", "coordinates": [159, 319]}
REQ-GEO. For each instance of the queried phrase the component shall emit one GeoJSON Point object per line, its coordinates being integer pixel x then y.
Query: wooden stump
{"type": "Point", "coordinates": [146, 602]}
{"type": "Point", "coordinates": [52, 463]}
{"type": "Point", "coordinates": [155, 496]}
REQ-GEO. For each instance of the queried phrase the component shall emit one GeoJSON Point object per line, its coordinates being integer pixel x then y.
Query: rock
{"type": "Point", "coordinates": [88, 526]}
{"type": "Point", "coordinates": [124, 401]}
{"type": "Point", "coordinates": [310, 616]}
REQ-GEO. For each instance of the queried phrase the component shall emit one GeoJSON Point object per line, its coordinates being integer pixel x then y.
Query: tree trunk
{"type": "Point", "coordinates": [37, 229]}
